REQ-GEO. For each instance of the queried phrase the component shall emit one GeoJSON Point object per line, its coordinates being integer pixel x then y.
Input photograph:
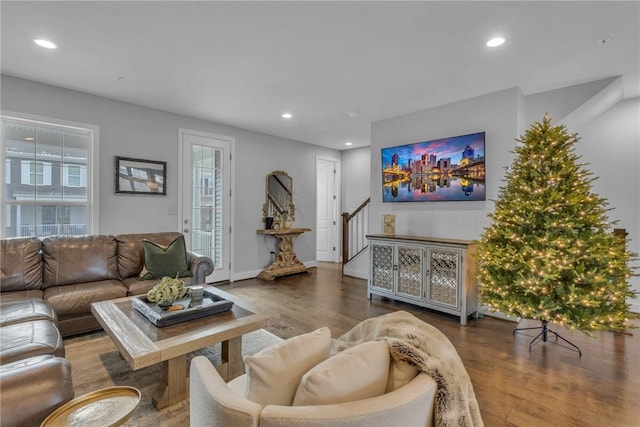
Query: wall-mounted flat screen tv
{"type": "Point", "coordinates": [447, 169]}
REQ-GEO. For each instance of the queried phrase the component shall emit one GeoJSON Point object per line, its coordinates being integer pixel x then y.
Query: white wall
{"type": "Point", "coordinates": [133, 131]}
{"type": "Point", "coordinates": [497, 114]}
{"type": "Point", "coordinates": [356, 177]}
{"type": "Point", "coordinates": [611, 147]}
{"type": "Point", "coordinates": [561, 102]}
{"type": "Point", "coordinates": [356, 188]}
{"type": "Point", "coordinates": [610, 143]}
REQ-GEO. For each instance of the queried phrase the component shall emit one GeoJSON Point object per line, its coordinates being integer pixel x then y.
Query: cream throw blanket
{"type": "Point", "coordinates": [413, 341]}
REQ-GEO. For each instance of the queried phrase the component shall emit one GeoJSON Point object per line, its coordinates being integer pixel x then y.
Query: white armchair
{"type": "Point", "coordinates": [216, 403]}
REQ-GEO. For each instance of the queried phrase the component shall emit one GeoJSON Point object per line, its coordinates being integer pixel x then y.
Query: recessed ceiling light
{"type": "Point", "coordinates": [496, 41]}
{"type": "Point", "coordinates": [348, 143]}
{"type": "Point", "coordinates": [29, 138]}
{"type": "Point", "coordinates": [45, 43]}
{"type": "Point", "coordinates": [286, 115]}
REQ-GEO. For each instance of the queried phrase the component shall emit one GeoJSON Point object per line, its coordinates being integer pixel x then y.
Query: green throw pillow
{"type": "Point", "coordinates": [160, 261]}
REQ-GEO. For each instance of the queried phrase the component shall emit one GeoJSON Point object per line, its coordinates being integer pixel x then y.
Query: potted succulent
{"type": "Point", "coordinates": [167, 291]}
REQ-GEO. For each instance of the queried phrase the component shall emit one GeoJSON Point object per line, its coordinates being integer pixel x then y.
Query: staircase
{"type": "Point", "coordinates": [355, 227]}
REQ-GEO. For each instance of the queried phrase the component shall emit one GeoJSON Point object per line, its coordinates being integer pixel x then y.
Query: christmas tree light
{"type": "Point", "coordinates": [549, 253]}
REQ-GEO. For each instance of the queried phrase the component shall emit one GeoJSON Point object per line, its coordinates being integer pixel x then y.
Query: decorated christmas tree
{"type": "Point", "coordinates": [549, 253]}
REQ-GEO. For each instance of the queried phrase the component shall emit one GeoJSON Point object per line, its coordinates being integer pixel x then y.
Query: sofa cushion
{"type": "Point", "coordinates": [130, 256]}
{"type": "Point", "coordinates": [357, 373]}
{"type": "Point", "coordinates": [28, 339]}
{"type": "Point", "coordinates": [20, 264]}
{"type": "Point", "coordinates": [137, 286]}
{"type": "Point", "coordinates": [76, 299]}
{"type": "Point", "coordinates": [77, 259]}
{"type": "Point", "coordinates": [21, 295]}
{"type": "Point", "coordinates": [273, 374]}
{"type": "Point", "coordinates": [32, 389]}
{"type": "Point", "coordinates": [78, 324]}
{"type": "Point", "coordinates": [23, 311]}
{"type": "Point", "coordinates": [161, 261]}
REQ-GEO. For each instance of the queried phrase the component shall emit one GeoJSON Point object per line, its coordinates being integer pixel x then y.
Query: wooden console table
{"type": "Point", "coordinates": [286, 261]}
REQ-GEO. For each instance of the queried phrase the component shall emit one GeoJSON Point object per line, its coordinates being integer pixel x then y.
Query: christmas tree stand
{"type": "Point", "coordinates": [544, 335]}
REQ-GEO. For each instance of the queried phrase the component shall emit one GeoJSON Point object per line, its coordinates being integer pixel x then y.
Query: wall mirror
{"type": "Point", "coordinates": [279, 200]}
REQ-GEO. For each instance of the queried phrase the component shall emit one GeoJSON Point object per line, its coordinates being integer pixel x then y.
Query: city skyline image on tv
{"type": "Point", "coordinates": [447, 169]}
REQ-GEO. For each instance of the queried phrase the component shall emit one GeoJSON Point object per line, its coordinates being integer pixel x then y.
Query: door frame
{"type": "Point", "coordinates": [231, 186]}
{"type": "Point", "coordinates": [337, 187]}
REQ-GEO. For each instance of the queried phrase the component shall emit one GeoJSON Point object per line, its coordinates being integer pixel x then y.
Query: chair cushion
{"type": "Point", "coordinates": [238, 384]}
{"type": "Point", "coordinates": [357, 373]}
{"type": "Point", "coordinates": [160, 261]}
{"type": "Point", "coordinates": [400, 374]}
{"type": "Point", "coordinates": [273, 374]}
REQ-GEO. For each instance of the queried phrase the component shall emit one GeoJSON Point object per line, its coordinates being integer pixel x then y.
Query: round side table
{"type": "Point", "coordinates": [107, 407]}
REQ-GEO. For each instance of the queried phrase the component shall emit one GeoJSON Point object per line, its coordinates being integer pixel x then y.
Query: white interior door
{"type": "Point", "coordinates": [327, 210]}
{"type": "Point", "coordinates": [205, 198]}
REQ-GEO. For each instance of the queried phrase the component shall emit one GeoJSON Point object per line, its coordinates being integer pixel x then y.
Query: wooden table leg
{"type": "Point", "coordinates": [232, 364]}
{"type": "Point", "coordinates": [173, 386]}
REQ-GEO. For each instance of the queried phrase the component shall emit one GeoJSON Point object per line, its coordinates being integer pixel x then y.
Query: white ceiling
{"type": "Point", "coordinates": [245, 63]}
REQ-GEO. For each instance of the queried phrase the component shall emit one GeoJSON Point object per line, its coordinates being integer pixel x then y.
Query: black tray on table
{"type": "Point", "coordinates": [210, 304]}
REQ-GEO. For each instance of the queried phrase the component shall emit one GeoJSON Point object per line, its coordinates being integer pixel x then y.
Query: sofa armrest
{"type": "Point", "coordinates": [410, 405]}
{"type": "Point", "coordinates": [213, 403]}
{"type": "Point", "coordinates": [33, 388]}
{"type": "Point", "coordinates": [200, 266]}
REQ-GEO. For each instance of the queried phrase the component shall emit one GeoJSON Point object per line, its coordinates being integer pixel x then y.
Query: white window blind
{"type": "Point", "coordinates": [52, 166]}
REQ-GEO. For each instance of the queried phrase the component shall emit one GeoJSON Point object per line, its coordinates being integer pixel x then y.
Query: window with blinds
{"type": "Point", "coordinates": [47, 187]}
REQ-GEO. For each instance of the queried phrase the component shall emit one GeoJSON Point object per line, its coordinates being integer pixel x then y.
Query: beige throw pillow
{"type": "Point", "coordinates": [274, 373]}
{"type": "Point", "coordinates": [354, 374]}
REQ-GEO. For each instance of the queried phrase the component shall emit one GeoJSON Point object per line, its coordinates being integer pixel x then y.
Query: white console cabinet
{"type": "Point", "coordinates": [436, 273]}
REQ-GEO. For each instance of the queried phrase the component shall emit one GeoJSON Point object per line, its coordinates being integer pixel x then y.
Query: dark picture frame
{"type": "Point", "coordinates": [140, 176]}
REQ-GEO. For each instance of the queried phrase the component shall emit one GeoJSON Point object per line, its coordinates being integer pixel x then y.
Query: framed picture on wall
{"type": "Point", "coordinates": [138, 176]}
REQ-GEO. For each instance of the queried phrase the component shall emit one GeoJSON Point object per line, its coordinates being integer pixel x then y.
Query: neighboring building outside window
{"type": "Point", "coordinates": [47, 186]}
{"type": "Point", "coordinates": [35, 173]}
{"type": "Point", "coordinates": [75, 176]}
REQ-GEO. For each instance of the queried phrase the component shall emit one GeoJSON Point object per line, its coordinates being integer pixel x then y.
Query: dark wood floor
{"type": "Point", "coordinates": [549, 386]}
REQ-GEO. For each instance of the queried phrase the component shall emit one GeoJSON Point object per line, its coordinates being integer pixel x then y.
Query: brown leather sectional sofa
{"type": "Point", "coordinates": [47, 287]}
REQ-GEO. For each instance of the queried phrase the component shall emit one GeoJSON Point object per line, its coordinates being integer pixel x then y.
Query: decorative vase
{"type": "Point", "coordinates": [196, 293]}
{"type": "Point", "coordinates": [389, 224]}
{"type": "Point", "coordinates": [287, 223]}
{"type": "Point", "coordinates": [268, 223]}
